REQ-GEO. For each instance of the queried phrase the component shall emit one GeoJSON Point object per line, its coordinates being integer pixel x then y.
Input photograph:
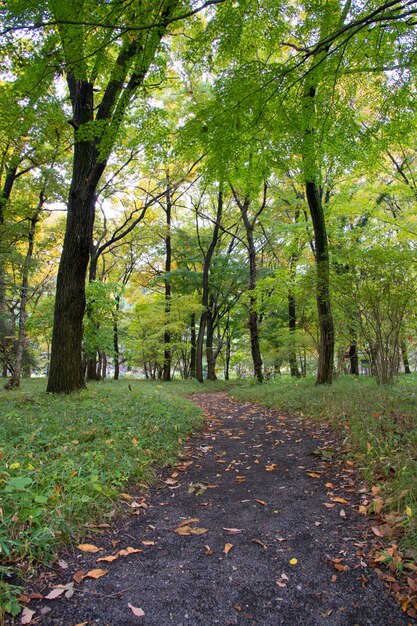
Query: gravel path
{"type": "Point", "coordinates": [250, 528]}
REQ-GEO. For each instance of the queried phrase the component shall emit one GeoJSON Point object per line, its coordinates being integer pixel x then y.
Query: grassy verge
{"type": "Point", "coordinates": [381, 429]}
{"type": "Point", "coordinates": [65, 459]}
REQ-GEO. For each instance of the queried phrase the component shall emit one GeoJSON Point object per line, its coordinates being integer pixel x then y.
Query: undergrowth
{"type": "Point", "coordinates": [380, 427]}
{"type": "Point", "coordinates": [65, 459]}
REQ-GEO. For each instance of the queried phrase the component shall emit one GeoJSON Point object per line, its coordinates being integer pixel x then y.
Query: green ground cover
{"type": "Point", "coordinates": [379, 425]}
{"type": "Point", "coordinates": [65, 459]}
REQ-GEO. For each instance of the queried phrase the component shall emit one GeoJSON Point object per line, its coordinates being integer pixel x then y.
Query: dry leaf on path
{"type": "Point", "coordinates": [262, 502]}
{"type": "Point", "coordinates": [340, 500]}
{"type": "Point", "coordinates": [96, 573]}
{"type": "Point", "coordinates": [88, 547]}
{"type": "Point", "coordinates": [271, 467]}
{"type": "Point", "coordinates": [55, 593]}
{"type": "Point", "coordinates": [148, 543]}
{"type": "Point", "coordinates": [108, 559]}
{"type": "Point", "coordinates": [26, 616]}
{"type": "Point", "coordinates": [260, 543]}
{"type": "Point", "coordinates": [313, 475]}
{"type": "Point", "coordinates": [234, 531]}
{"type": "Point", "coordinates": [190, 530]}
{"type": "Point", "coordinates": [227, 547]}
{"type": "Point", "coordinates": [79, 576]}
{"type": "Point", "coordinates": [136, 610]}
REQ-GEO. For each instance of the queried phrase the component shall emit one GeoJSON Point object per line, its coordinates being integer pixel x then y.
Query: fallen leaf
{"type": "Point", "coordinates": [126, 496]}
{"type": "Point", "coordinates": [340, 500]}
{"type": "Point", "coordinates": [208, 551]}
{"type": "Point", "coordinates": [55, 593]}
{"type": "Point", "coordinates": [26, 616]}
{"type": "Point", "coordinates": [363, 509]}
{"type": "Point", "coordinates": [329, 485]}
{"type": "Point", "coordinates": [171, 481]}
{"type": "Point", "coordinates": [293, 561]}
{"type": "Point", "coordinates": [79, 576]}
{"type": "Point", "coordinates": [271, 467]}
{"type": "Point", "coordinates": [129, 550]}
{"type": "Point", "coordinates": [227, 547]}
{"type": "Point", "coordinates": [234, 531]}
{"type": "Point", "coordinates": [148, 543]}
{"type": "Point", "coordinates": [262, 502]}
{"type": "Point", "coordinates": [280, 584]}
{"type": "Point", "coordinates": [107, 559]}
{"type": "Point", "coordinates": [328, 505]}
{"type": "Point", "coordinates": [136, 610]}
{"type": "Point", "coordinates": [342, 513]}
{"type": "Point", "coordinates": [62, 564]}
{"type": "Point", "coordinates": [260, 543]}
{"type": "Point", "coordinates": [88, 547]}
{"type": "Point", "coordinates": [96, 573]}
{"type": "Point", "coordinates": [313, 475]}
{"type": "Point", "coordinates": [376, 531]}
{"type": "Point", "coordinates": [334, 578]}
{"type": "Point", "coordinates": [134, 441]}
{"type": "Point", "coordinates": [190, 530]}
{"type": "Point", "coordinates": [240, 479]}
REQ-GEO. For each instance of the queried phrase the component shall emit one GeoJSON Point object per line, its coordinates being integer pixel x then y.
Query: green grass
{"type": "Point", "coordinates": [378, 423]}
{"type": "Point", "coordinates": [65, 459]}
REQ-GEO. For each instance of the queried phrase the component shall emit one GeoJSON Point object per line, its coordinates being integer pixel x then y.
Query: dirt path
{"type": "Point", "coordinates": [252, 471]}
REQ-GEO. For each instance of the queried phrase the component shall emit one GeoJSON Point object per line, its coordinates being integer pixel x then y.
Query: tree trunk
{"type": "Point", "coordinates": [292, 326]}
{"type": "Point", "coordinates": [193, 348]}
{"type": "Point", "coordinates": [211, 361]}
{"type": "Point", "coordinates": [116, 352]}
{"type": "Point", "coordinates": [404, 355]}
{"type": "Point", "coordinates": [206, 289]}
{"type": "Point", "coordinates": [353, 359]}
{"type": "Point", "coordinates": [21, 341]}
{"type": "Point", "coordinates": [66, 370]}
{"type": "Point", "coordinates": [168, 260]}
{"type": "Point", "coordinates": [324, 310]}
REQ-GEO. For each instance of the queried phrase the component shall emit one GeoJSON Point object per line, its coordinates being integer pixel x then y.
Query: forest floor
{"type": "Point", "coordinates": [253, 526]}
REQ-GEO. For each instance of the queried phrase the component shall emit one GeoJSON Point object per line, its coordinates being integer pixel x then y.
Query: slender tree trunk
{"type": "Point", "coordinates": [292, 326]}
{"type": "Point", "coordinates": [5, 323]}
{"type": "Point", "coordinates": [353, 359]}
{"type": "Point", "coordinates": [193, 348]}
{"type": "Point", "coordinates": [24, 294]}
{"type": "Point", "coordinates": [324, 310]}
{"type": "Point", "coordinates": [116, 352]}
{"type": "Point", "coordinates": [168, 295]}
{"type": "Point", "coordinates": [404, 355]}
{"type": "Point", "coordinates": [206, 289]}
{"type": "Point", "coordinates": [253, 322]}
{"type": "Point", "coordinates": [103, 365]}
{"type": "Point", "coordinates": [211, 361]}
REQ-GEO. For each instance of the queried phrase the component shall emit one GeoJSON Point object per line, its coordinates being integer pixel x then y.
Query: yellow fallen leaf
{"type": "Point", "coordinates": [126, 496]}
{"type": "Point", "coordinates": [88, 547]}
{"type": "Point", "coordinates": [408, 511]}
{"type": "Point", "coordinates": [240, 479]}
{"type": "Point", "coordinates": [129, 550]}
{"type": "Point", "coordinates": [293, 561]}
{"type": "Point", "coordinates": [271, 467]}
{"type": "Point", "coordinates": [313, 475]}
{"type": "Point", "coordinates": [148, 543]}
{"type": "Point", "coordinates": [190, 530]}
{"type": "Point", "coordinates": [108, 559]}
{"type": "Point", "coordinates": [227, 547]}
{"type": "Point", "coordinates": [96, 573]}
{"type": "Point", "coordinates": [340, 500]}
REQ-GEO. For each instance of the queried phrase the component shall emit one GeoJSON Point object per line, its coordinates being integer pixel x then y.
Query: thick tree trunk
{"type": "Point", "coordinates": [324, 310]}
{"type": "Point", "coordinates": [66, 370]}
{"type": "Point", "coordinates": [168, 295]}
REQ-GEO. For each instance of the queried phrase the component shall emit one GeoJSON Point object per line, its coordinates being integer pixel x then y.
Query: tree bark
{"type": "Point", "coordinates": [24, 295]}
{"type": "Point", "coordinates": [193, 348]}
{"type": "Point", "coordinates": [292, 326]}
{"type": "Point", "coordinates": [206, 289]}
{"type": "Point", "coordinates": [353, 359]}
{"type": "Point", "coordinates": [211, 360]}
{"type": "Point", "coordinates": [166, 376]}
{"type": "Point", "coordinates": [324, 310]}
{"type": "Point", "coordinates": [404, 355]}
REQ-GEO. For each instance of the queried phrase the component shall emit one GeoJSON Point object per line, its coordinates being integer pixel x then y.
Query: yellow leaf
{"type": "Point", "coordinates": [88, 547]}
{"type": "Point", "coordinates": [135, 441]}
{"type": "Point", "coordinates": [227, 547]}
{"type": "Point", "coordinates": [313, 475]}
{"type": "Point", "coordinates": [408, 511]}
{"type": "Point", "coordinates": [293, 561]}
{"type": "Point", "coordinates": [96, 573]}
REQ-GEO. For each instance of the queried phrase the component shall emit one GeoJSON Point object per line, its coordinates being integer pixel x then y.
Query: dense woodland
{"type": "Point", "coordinates": [204, 190]}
